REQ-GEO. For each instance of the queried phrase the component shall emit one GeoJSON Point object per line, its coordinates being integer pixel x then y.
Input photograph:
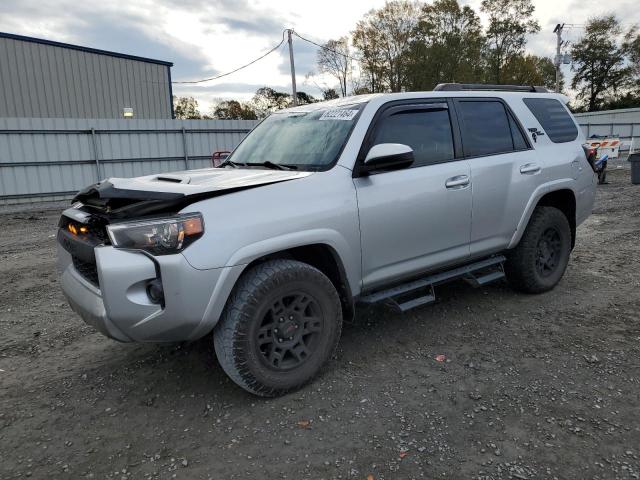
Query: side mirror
{"type": "Point", "coordinates": [388, 156]}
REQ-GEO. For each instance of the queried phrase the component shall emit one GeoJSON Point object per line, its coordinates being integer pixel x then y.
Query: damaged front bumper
{"type": "Point", "coordinates": [118, 303]}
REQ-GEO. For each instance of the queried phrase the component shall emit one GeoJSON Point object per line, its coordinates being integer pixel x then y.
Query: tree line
{"type": "Point", "coordinates": [407, 45]}
{"type": "Point", "coordinates": [264, 101]}
{"type": "Point", "coordinates": [606, 65]}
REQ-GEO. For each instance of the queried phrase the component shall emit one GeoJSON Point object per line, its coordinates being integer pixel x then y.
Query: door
{"type": "Point", "coordinates": [418, 218]}
{"type": "Point", "coordinates": [505, 171]}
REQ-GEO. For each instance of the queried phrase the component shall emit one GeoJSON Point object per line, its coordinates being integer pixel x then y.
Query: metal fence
{"type": "Point", "coordinates": [44, 159]}
{"type": "Point", "coordinates": [629, 132]}
{"type": "Point", "coordinates": [624, 123]}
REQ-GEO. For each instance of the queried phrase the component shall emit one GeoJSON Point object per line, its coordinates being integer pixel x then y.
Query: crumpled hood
{"type": "Point", "coordinates": [161, 191]}
{"type": "Point", "coordinates": [191, 182]}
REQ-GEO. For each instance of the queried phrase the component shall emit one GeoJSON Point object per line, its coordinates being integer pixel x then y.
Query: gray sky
{"type": "Point", "coordinates": [206, 37]}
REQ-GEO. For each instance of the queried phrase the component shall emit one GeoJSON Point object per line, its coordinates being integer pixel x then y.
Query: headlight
{"type": "Point", "coordinates": [160, 236]}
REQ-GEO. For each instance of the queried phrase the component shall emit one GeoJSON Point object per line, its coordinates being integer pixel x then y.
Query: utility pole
{"type": "Point", "coordinates": [558, 61]}
{"type": "Point", "coordinates": [293, 70]}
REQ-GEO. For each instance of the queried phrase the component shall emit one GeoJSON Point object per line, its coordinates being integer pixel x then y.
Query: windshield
{"type": "Point", "coordinates": [306, 140]}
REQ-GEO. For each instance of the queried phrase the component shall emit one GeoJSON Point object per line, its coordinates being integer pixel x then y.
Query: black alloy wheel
{"type": "Point", "coordinates": [539, 260]}
{"type": "Point", "coordinates": [281, 324]}
{"type": "Point", "coordinates": [289, 332]}
{"type": "Point", "coordinates": [548, 252]}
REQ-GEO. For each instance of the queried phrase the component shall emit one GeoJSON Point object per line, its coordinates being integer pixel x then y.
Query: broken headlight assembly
{"type": "Point", "coordinates": [158, 236]}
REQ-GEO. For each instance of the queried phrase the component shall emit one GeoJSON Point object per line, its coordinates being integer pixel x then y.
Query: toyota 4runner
{"type": "Point", "coordinates": [374, 198]}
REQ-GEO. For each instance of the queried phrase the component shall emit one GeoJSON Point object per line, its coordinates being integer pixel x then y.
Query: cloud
{"type": "Point", "coordinates": [268, 27]}
{"type": "Point", "coordinates": [227, 87]}
{"type": "Point", "coordinates": [232, 16]}
{"type": "Point", "coordinates": [207, 37]}
{"type": "Point", "coordinates": [102, 27]}
{"type": "Point", "coordinates": [121, 34]}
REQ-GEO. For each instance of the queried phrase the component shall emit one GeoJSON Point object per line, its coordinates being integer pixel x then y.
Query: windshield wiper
{"type": "Point", "coordinates": [273, 166]}
{"type": "Point", "coordinates": [232, 163]}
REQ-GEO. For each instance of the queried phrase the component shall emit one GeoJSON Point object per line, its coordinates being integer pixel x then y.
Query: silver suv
{"type": "Point", "coordinates": [366, 199]}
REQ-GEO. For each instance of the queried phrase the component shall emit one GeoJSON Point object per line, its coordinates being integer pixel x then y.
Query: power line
{"type": "Point", "coordinates": [323, 46]}
{"type": "Point", "coordinates": [282, 41]}
{"type": "Point", "coordinates": [235, 70]}
{"type": "Point", "coordinates": [583, 26]}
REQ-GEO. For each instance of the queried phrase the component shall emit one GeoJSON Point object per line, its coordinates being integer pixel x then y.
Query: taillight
{"type": "Point", "coordinates": [591, 154]}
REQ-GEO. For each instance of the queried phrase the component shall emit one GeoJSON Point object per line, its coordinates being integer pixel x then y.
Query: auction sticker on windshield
{"type": "Point", "coordinates": [338, 115]}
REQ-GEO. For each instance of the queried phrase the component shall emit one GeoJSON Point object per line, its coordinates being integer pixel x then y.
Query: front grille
{"type": "Point", "coordinates": [97, 231]}
{"type": "Point", "coordinates": [89, 271]}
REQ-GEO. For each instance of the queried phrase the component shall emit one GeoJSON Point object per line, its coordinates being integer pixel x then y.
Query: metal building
{"type": "Point", "coordinates": [46, 79]}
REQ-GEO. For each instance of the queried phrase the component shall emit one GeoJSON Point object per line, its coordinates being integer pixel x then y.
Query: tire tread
{"type": "Point", "coordinates": [520, 267]}
{"type": "Point", "coordinates": [246, 293]}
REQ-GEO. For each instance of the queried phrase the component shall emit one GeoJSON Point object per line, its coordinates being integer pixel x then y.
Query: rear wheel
{"type": "Point", "coordinates": [540, 259]}
{"type": "Point", "coordinates": [281, 324]}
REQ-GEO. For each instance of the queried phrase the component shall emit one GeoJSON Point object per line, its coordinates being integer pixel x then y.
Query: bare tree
{"type": "Point", "coordinates": [334, 60]}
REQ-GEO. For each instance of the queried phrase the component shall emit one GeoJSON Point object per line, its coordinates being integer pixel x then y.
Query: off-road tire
{"type": "Point", "coordinates": [520, 268]}
{"type": "Point", "coordinates": [236, 339]}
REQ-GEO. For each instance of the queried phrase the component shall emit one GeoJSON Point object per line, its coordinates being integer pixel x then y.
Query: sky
{"type": "Point", "coordinates": [204, 38]}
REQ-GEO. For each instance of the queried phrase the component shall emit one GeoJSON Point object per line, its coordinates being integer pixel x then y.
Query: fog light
{"type": "Point", "coordinates": [155, 291]}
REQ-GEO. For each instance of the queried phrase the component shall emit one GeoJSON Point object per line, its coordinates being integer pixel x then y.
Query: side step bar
{"type": "Point", "coordinates": [420, 292]}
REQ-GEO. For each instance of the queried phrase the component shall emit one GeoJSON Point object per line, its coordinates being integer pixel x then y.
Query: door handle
{"type": "Point", "coordinates": [459, 181]}
{"type": "Point", "coordinates": [530, 168]}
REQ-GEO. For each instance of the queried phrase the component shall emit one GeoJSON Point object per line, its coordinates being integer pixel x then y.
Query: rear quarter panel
{"type": "Point", "coordinates": [565, 167]}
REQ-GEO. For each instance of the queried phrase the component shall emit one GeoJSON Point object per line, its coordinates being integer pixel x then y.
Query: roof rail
{"type": "Point", "coordinates": [458, 87]}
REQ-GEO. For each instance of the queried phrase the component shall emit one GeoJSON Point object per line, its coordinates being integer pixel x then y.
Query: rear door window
{"type": "Point", "coordinates": [554, 118]}
{"type": "Point", "coordinates": [426, 130]}
{"type": "Point", "coordinates": [485, 129]}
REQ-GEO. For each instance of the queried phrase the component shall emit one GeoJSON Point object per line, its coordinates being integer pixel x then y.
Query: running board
{"type": "Point", "coordinates": [479, 281]}
{"type": "Point", "coordinates": [420, 292]}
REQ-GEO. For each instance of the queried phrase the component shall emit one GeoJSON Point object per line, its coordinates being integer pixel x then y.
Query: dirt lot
{"type": "Point", "coordinates": [533, 386]}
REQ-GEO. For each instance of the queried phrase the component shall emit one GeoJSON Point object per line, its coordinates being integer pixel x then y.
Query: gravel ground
{"type": "Point", "coordinates": [532, 387]}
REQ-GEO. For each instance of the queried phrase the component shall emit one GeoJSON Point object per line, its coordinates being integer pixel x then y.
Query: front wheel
{"type": "Point", "coordinates": [540, 259]}
{"type": "Point", "coordinates": [280, 325]}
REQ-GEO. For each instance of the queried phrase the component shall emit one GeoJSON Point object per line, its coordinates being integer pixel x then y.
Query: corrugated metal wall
{"type": "Point", "coordinates": [41, 80]}
{"type": "Point", "coordinates": [45, 159]}
{"type": "Point", "coordinates": [624, 123]}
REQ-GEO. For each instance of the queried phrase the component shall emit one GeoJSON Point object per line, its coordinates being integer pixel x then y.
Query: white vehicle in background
{"type": "Point", "coordinates": [366, 199]}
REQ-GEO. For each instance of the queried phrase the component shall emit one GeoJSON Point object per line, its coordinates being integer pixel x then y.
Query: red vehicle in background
{"type": "Point", "coordinates": [598, 162]}
{"type": "Point", "coordinates": [218, 157]}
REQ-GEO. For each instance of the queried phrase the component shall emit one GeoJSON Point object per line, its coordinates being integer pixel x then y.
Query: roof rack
{"type": "Point", "coordinates": [458, 87]}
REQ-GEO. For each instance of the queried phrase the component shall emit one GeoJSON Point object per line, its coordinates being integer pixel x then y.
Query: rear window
{"type": "Point", "coordinates": [554, 118]}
